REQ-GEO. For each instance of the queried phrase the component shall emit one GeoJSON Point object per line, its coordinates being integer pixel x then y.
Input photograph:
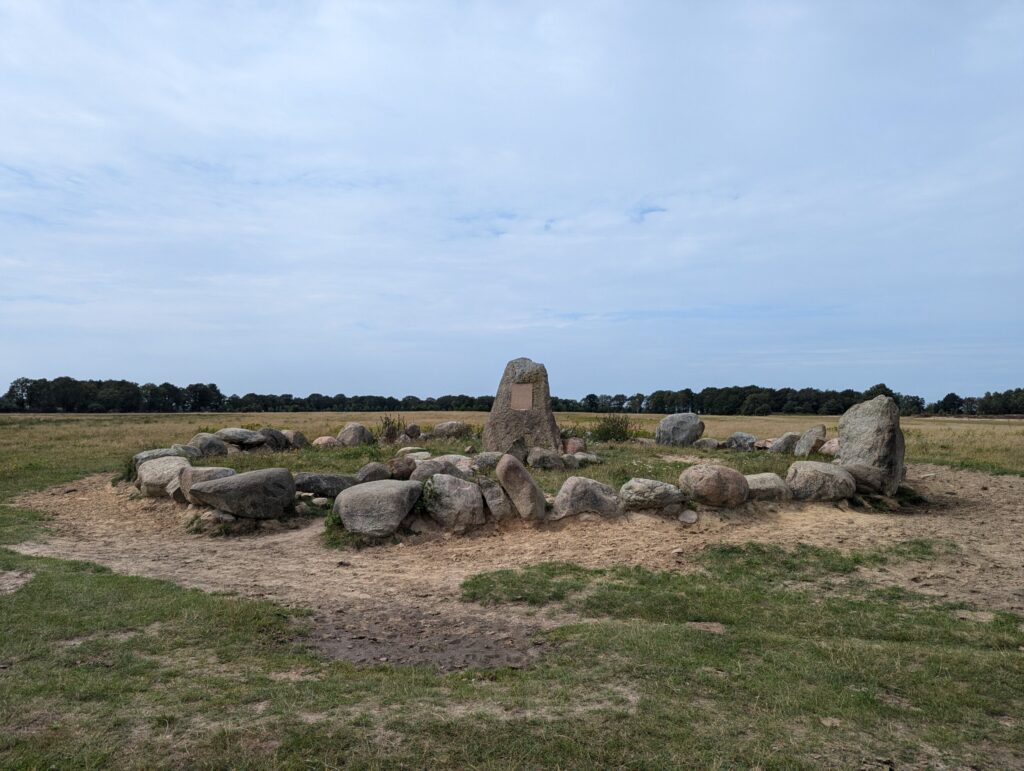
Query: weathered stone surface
{"type": "Point", "coordinates": [497, 504]}
{"type": "Point", "coordinates": [714, 485]}
{"type": "Point", "coordinates": [372, 472]}
{"type": "Point", "coordinates": [354, 435]}
{"type": "Point", "coordinates": [587, 458]}
{"type": "Point", "coordinates": [209, 444]}
{"type": "Point", "coordinates": [154, 475]}
{"type": "Point", "coordinates": [526, 496]}
{"type": "Point", "coordinates": [276, 440]}
{"type": "Point", "coordinates": [569, 462]}
{"type": "Point", "coordinates": [161, 452]}
{"type": "Point", "coordinates": [326, 441]}
{"type": "Point", "coordinates": [812, 439]}
{"type": "Point", "coordinates": [408, 450]}
{"type": "Point", "coordinates": [768, 487]}
{"type": "Point", "coordinates": [521, 416]}
{"type": "Point", "coordinates": [485, 461]}
{"type": "Point", "coordinates": [452, 429]}
{"type": "Point", "coordinates": [688, 517]}
{"type": "Point", "coordinates": [574, 444]}
{"type": "Point", "coordinates": [830, 448]}
{"type": "Point", "coordinates": [764, 444]}
{"type": "Point", "coordinates": [681, 429]}
{"type": "Point", "coordinates": [741, 440]}
{"type": "Point", "coordinates": [412, 431]}
{"type": "Point", "coordinates": [454, 503]}
{"type": "Point", "coordinates": [401, 467]}
{"type": "Point", "coordinates": [265, 494]}
{"type": "Point", "coordinates": [190, 475]}
{"type": "Point", "coordinates": [871, 445]}
{"type": "Point", "coordinates": [651, 495]}
{"type": "Point", "coordinates": [580, 495]}
{"type": "Point", "coordinates": [189, 451]}
{"type": "Point", "coordinates": [542, 458]}
{"type": "Point", "coordinates": [376, 509]}
{"type": "Point", "coordinates": [241, 437]}
{"type": "Point", "coordinates": [427, 468]}
{"type": "Point", "coordinates": [786, 443]}
{"type": "Point", "coordinates": [296, 439]}
{"type": "Point", "coordinates": [813, 481]}
{"type": "Point", "coordinates": [707, 443]}
{"type": "Point", "coordinates": [323, 485]}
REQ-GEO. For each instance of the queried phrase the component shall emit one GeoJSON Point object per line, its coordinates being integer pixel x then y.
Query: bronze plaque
{"type": "Point", "coordinates": [522, 396]}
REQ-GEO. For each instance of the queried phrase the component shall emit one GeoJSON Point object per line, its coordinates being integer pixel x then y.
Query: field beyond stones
{"type": "Point", "coordinates": [804, 635]}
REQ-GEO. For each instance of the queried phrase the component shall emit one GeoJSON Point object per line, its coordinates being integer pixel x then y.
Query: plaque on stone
{"type": "Point", "coordinates": [522, 396]}
{"type": "Point", "coordinates": [521, 416]}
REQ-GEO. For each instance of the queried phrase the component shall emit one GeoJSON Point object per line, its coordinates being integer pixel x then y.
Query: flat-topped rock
{"type": "Point", "coordinates": [264, 494]}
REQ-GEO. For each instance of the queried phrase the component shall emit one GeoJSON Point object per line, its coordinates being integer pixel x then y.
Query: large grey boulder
{"type": "Point", "coordinates": [681, 429]}
{"type": "Point", "coordinates": [521, 416]}
{"type": "Point", "coordinates": [376, 509]}
{"type": "Point", "coordinates": [812, 439]}
{"type": "Point", "coordinates": [154, 475]}
{"type": "Point", "coordinates": [208, 444]}
{"type": "Point", "coordinates": [497, 504]}
{"type": "Point", "coordinates": [741, 440]}
{"type": "Point", "coordinates": [452, 429]}
{"type": "Point", "coordinates": [296, 439]}
{"type": "Point", "coordinates": [714, 485]}
{"type": "Point", "coordinates": [241, 437]}
{"type": "Point", "coordinates": [813, 481]}
{"type": "Point", "coordinates": [651, 495]}
{"type": "Point", "coordinates": [768, 487]}
{"type": "Point", "coordinates": [542, 458]}
{"type": "Point", "coordinates": [527, 497]}
{"type": "Point", "coordinates": [373, 472]}
{"type": "Point", "coordinates": [785, 444]}
{"type": "Point", "coordinates": [323, 485]}
{"type": "Point", "coordinates": [427, 468]}
{"type": "Point", "coordinates": [265, 494]}
{"type": "Point", "coordinates": [161, 452]}
{"type": "Point", "coordinates": [354, 435]}
{"type": "Point", "coordinates": [580, 495]}
{"type": "Point", "coordinates": [190, 475]}
{"type": "Point", "coordinates": [455, 504]}
{"type": "Point", "coordinates": [275, 440]}
{"type": "Point", "coordinates": [871, 445]}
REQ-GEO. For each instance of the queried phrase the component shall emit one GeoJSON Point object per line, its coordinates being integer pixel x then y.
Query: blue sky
{"type": "Point", "coordinates": [397, 198]}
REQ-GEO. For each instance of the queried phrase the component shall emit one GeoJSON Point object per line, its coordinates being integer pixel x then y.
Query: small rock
{"type": "Point", "coordinates": [688, 517]}
{"type": "Point", "coordinates": [326, 441]}
{"type": "Point", "coordinates": [768, 487]}
{"type": "Point", "coordinates": [372, 472]}
{"type": "Point", "coordinates": [740, 440]}
{"type": "Point", "coordinates": [784, 444]}
{"type": "Point", "coordinates": [580, 495]}
{"type": "Point", "coordinates": [355, 435]}
{"type": "Point", "coordinates": [714, 485]}
{"type": "Point", "coordinates": [542, 458]}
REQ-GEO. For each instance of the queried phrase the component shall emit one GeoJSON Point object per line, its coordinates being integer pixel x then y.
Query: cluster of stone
{"type": "Point", "coordinates": [685, 429]}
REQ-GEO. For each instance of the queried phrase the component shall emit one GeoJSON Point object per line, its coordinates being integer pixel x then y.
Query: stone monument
{"type": "Point", "coordinates": [521, 417]}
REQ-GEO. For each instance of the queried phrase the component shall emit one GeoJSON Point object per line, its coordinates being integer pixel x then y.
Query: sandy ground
{"type": "Point", "coordinates": [401, 603]}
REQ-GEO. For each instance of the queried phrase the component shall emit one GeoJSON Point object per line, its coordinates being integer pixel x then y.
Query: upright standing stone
{"type": "Point", "coordinates": [681, 429]}
{"type": "Point", "coordinates": [871, 445]}
{"type": "Point", "coordinates": [522, 410]}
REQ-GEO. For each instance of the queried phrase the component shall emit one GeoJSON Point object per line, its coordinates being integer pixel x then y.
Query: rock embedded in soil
{"type": "Point", "coordinates": [452, 429]}
{"type": "Point", "coordinates": [326, 441]}
{"type": "Point", "coordinates": [527, 498]}
{"type": "Point", "coordinates": [155, 475]}
{"type": "Point", "coordinates": [813, 481]}
{"type": "Point", "coordinates": [741, 440]}
{"type": "Point", "coordinates": [161, 452]}
{"type": "Point", "coordinates": [324, 485]}
{"type": "Point", "coordinates": [296, 439]}
{"type": "Point", "coordinates": [707, 443]}
{"type": "Point", "coordinates": [355, 435]}
{"type": "Point", "coordinates": [714, 485]}
{"type": "Point", "coordinates": [785, 444]}
{"type": "Point", "coordinates": [497, 504]}
{"type": "Point", "coordinates": [871, 445]}
{"type": "Point", "coordinates": [680, 430]}
{"type": "Point", "coordinates": [372, 472]}
{"type": "Point", "coordinates": [521, 415]}
{"type": "Point", "coordinates": [209, 445]}
{"type": "Point", "coordinates": [811, 441]}
{"type": "Point", "coordinates": [543, 458]}
{"type": "Point", "coordinates": [241, 437]}
{"type": "Point", "coordinates": [376, 509]}
{"type": "Point", "coordinates": [580, 495]}
{"type": "Point", "coordinates": [640, 494]}
{"type": "Point", "coordinates": [189, 476]}
{"type": "Point", "coordinates": [264, 494]}
{"type": "Point", "coordinates": [401, 467]}
{"type": "Point", "coordinates": [454, 503]}
{"type": "Point", "coordinates": [574, 444]}
{"type": "Point", "coordinates": [427, 468]}
{"type": "Point", "coordinates": [768, 487]}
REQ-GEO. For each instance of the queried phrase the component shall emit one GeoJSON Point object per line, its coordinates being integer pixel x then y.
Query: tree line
{"type": "Point", "coordinates": [67, 394]}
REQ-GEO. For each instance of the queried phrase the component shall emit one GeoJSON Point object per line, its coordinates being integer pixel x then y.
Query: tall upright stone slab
{"type": "Point", "coordinates": [521, 415]}
{"type": "Point", "coordinates": [871, 445]}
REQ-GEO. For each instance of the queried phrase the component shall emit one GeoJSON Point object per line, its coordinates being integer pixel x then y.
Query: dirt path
{"type": "Point", "coordinates": [400, 603]}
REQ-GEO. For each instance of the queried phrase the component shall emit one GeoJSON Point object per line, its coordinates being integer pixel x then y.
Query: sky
{"type": "Point", "coordinates": [398, 197]}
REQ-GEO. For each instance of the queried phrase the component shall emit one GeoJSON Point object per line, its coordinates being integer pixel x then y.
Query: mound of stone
{"type": "Point", "coordinates": [714, 485]}
{"type": "Point", "coordinates": [871, 445]}
{"type": "Point", "coordinates": [811, 441]}
{"type": "Point", "coordinates": [527, 498]}
{"type": "Point", "coordinates": [521, 415]}
{"type": "Point", "coordinates": [355, 435]}
{"type": "Point", "coordinates": [786, 443]}
{"type": "Point", "coordinates": [454, 503]}
{"type": "Point", "coordinates": [651, 495]}
{"type": "Point", "coordinates": [153, 476]}
{"type": "Point", "coordinates": [680, 430]}
{"type": "Point", "coordinates": [376, 509]}
{"type": "Point", "coordinates": [580, 495]}
{"type": "Point", "coordinates": [323, 485]}
{"type": "Point", "coordinates": [768, 487]}
{"type": "Point", "coordinates": [265, 494]}
{"type": "Point", "coordinates": [813, 481]}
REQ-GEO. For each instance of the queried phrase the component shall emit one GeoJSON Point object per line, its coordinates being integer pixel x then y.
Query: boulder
{"type": "Point", "coordinates": [427, 468]}
{"type": "Point", "coordinates": [681, 429]}
{"type": "Point", "coordinates": [485, 461]}
{"type": "Point", "coordinates": [323, 485]}
{"type": "Point", "coordinates": [296, 439]}
{"type": "Point", "coordinates": [830, 448]}
{"type": "Point", "coordinates": [241, 437]}
{"type": "Point", "coordinates": [574, 444]}
{"type": "Point", "coordinates": [768, 487]}
{"type": "Point", "coordinates": [569, 462]}
{"type": "Point", "coordinates": [275, 440]}
{"type": "Point", "coordinates": [162, 452]}
{"type": "Point", "coordinates": [190, 475]}
{"type": "Point", "coordinates": [326, 441]}
{"type": "Point", "coordinates": [813, 481]}
{"type": "Point", "coordinates": [401, 467]}
{"type": "Point", "coordinates": [376, 509]}
{"type": "Point", "coordinates": [408, 450]}
{"type": "Point", "coordinates": [714, 485]}
{"type": "Point", "coordinates": [707, 444]}
{"type": "Point", "coordinates": [154, 475]}
{"type": "Point", "coordinates": [209, 444]}
{"type": "Point", "coordinates": [412, 431]}
{"type": "Point", "coordinates": [188, 450]}
{"type": "Point", "coordinates": [454, 503]}
{"type": "Point", "coordinates": [580, 495]}
{"type": "Point", "coordinates": [871, 445]}
{"type": "Point", "coordinates": [452, 429]}
{"type": "Point", "coordinates": [521, 415]}
{"type": "Point", "coordinates": [265, 494]}
{"type": "Point", "coordinates": [651, 495]}
{"type": "Point", "coordinates": [354, 435]}
{"type": "Point", "coordinates": [811, 441]}
{"type": "Point", "coordinates": [373, 472]}
{"type": "Point", "coordinates": [784, 444]}
{"type": "Point", "coordinates": [741, 440]}
{"type": "Point", "coordinates": [585, 458]}
{"type": "Point", "coordinates": [542, 458]}
{"type": "Point", "coordinates": [497, 505]}
{"type": "Point", "coordinates": [515, 480]}
{"type": "Point", "coordinates": [764, 444]}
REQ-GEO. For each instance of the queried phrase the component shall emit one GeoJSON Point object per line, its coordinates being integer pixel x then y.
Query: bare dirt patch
{"type": "Point", "coordinates": [12, 580]}
{"type": "Point", "coordinates": [400, 603]}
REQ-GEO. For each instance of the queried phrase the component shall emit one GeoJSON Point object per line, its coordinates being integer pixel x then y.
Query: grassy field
{"type": "Point", "coordinates": [765, 658]}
